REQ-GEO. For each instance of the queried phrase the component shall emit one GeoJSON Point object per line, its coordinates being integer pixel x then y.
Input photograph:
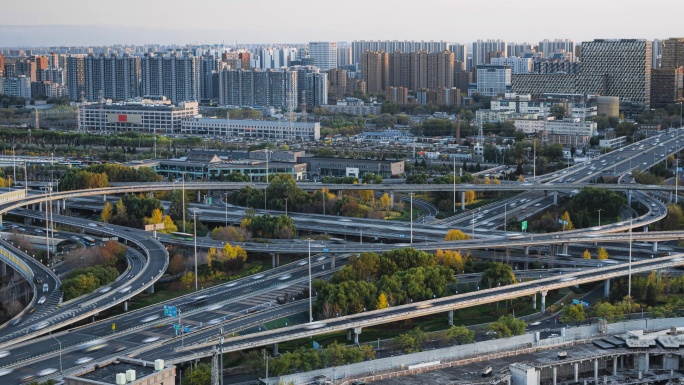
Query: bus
{"type": "Point", "coordinates": [182, 236]}
{"type": "Point", "coordinates": [89, 241]}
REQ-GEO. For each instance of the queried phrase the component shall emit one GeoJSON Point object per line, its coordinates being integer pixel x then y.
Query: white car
{"type": "Point", "coordinates": [41, 300]}
{"type": "Point", "coordinates": [46, 372]}
{"type": "Point", "coordinates": [83, 360]}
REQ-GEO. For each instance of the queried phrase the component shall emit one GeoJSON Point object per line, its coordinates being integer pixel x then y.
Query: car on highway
{"type": "Point", "coordinates": [4, 353]}
{"type": "Point", "coordinates": [93, 346]}
{"type": "Point", "coordinates": [83, 360]}
{"type": "Point", "coordinates": [41, 300]}
{"type": "Point", "coordinates": [46, 372]}
{"type": "Point", "coordinates": [41, 325]}
{"type": "Point", "coordinates": [151, 339]}
{"type": "Point", "coordinates": [4, 372]}
{"type": "Point", "coordinates": [125, 289]}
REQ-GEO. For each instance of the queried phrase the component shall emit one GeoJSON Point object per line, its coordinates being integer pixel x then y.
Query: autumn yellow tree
{"type": "Point", "coordinates": [456, 235]}
{"type": "Point", "coordinates": [469, 196]}
{"type": "Point", "coordinates": [106, 214]}
{"type": "Point", "coordinates": [155, 218]}
{"type": "Point", "coordinates": [385, 203]}
{"type": "Point", "coordinates": [450, 259]}
{"type": "Point", "coordinates": [602, 253]}
{"type": "Point", "coordinates": [120, 208]}
{"type": "Point", "coordinates": [169, 225]}
{"type": "Point", "coordinates": [566, 219]}
{"type": "Point", "coordinates": [382, 301]}
{"type": "Point", "coordinates": [521, 178]}
{"type": "Point", "coordinates": [496, 181]}
{"type": "Point", "coordinates": [586, 254]}
{"type": "Point", "coordinates": [487, 180]}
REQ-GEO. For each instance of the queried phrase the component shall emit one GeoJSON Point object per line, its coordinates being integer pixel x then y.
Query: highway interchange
{"type": "Point", "coordinates": [146, 334]}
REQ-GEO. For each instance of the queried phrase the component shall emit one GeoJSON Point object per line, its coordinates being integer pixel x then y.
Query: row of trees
{"type": "Point", "coordinates": [601, 254]}
{"type": "Point", "coordinates": [100, 175]}
{"type": "Point", "coordinates": [86, 280]}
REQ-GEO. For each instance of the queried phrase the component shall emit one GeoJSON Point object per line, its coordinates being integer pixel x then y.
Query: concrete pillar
{"type": "Point", "coordinates": [655, 246]}
{"type": "Point", "coordinates": [40, 207]}
{"type": "Point", "coordinates": [332, 264]}
{"type": "Point", "coordinates": [451, 318]}
{"type": "Point", "coordinates": [670, 362]}
{"type": "Point", "coordinates": [462, 200]}
{"type": "Point", "coordinates": [543, 301]}
{"type": "Point", "coordinates": [622, 362]}
{"type": "Point", "coordinates": [275, 350]}
{"type": "Point", "coordinates": [555, 375]}
{"type": "Point", "coordinates": [277, 259]}
{"type": "Point", "coordinates": [349, 333]}
{"type": "Point", "coordinates": [392, 199]}
{"type": "Point", "coordinates": [565, 248]}
{"type": "Point", "coordinates": [527, 250]}
{"type": "Point", "coordinates": [151, 194]}
{"type": "Point", "coordinates": [555, 198]}
{"type": "Point", "coordinates": [606, 288]}
{"type": "Point", "coordinates": [4, 269]}
{"type": "Point", "coordinates": [646, 229]}
{"type": "Point", "coordinates": [199, 196]}
{"type": "Point", "coordinates": [671, 198]}
{"type": "Point", "coordinates": [615, 366]}
{"type": "Point", "coordinates": [357, 332]}
{"type": "Point", "coordinates": [596, 371]}
{"type": "Point", "coordinates": [629, 197]}
{"type": "Point", "coordinates": [125, 305]}
{"type": "Point", "coordinates": [576, 371]}
{"type": "Point", "coordinates": [534, 301]}
{"type": "Point", "coordinates": [151, 289]}
{"type": "Point", "coordinates": [104, 198]}
{"type": "Point", "coordinates": [642, 362]}
{"type": "Point", "coordinates": [0, 220]}
{"type": "Point", "coordinates": [273, 261]}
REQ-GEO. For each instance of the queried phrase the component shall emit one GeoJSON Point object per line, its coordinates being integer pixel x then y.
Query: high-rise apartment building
{"type": "Point", "coordinates": [75, 68]}
{"type": "Point", "coordinates": [40, 63]}
{"type": "Point", "coordinates": [175, 75]}
{"type": "Point", "coordinates": [344, 56]}
{"type": "Point", "coordinates": [111, 77]}
{"type": "Point", "coordinates": [338, 82]}
{"type": "Point", "coordinates": [481, 48]}
{"type": "Point", "coordinates": [519, 65]}
{"type": "Point", "coordinates": [440, 70]}
{"type": "Point", "coordinates": [209, 66]}
{"type": "Point", "coordinates": [673, 53]}
{"type": "Point", "coordinates": [548, 48]}
{"type": "Point", "coordinates": [421, 69]}
{"type": "Point", "coordinates": [519, 49]}
{"type": "Point", "coordinates": [277, 88]}
{"type": "Point", "coordinates": [2, 66]}
{"type": "Point", "coordinates": [627, 64]}
{"type": "Point", "coordinates": [375, 71]}
{"type": "Point", "coordinates": [316, 85]}
{"type": "Point", "coordinates": [666, 86]}
{"type": "Point", "coordinates": [406, 46]}
{"type": "Point", "coordinates": [492, 80]}
{"type": "Point", "coordinates": [324, 54]}
{"type": "Point", "coordinates": [19, 86]}
{"type": "Point", "coordinates": [397, 95]}
{"type": "Point", "coordinates": [460, 52]}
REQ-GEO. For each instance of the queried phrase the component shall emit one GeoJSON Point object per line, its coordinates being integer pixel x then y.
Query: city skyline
{"type": "Point", "coordinates": [81, 23]}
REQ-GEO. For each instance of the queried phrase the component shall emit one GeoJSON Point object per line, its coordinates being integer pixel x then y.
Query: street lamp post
{"type": "Point", "coordinates": [226, 203]}
{"type": "Point", "coordinates": [505, 212]}
{"type": "Point", "coordinates": [411, 204]}
{"type": "Point", "coordinates": [267, 152]}
{"type": "Point", "coordinates": [629, 275]}
{"type": "Point", "coordinates": [286, 207]}
{"type": "Point", "coordinates": [310, 293]}
{"type": "Point", "coordinates": [183, 193]}
{"type": "Point", "coordinates": [60, 352]}
{"type": "Point", "coordinates": [599, 211]}
{"type": "Point", "coordinates": [454, 183]}
{"type": "Point", "coordinates": [194, 214]}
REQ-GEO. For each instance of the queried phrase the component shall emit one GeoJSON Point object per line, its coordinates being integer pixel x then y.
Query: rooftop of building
{"type": "Point", "coordinates": [106, 372]}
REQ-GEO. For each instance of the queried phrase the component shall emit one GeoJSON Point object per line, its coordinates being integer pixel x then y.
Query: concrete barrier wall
{"type": "Point", "coordinates": [476, 352]}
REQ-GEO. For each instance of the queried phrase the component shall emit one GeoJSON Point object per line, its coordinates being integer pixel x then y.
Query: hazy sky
{"type": "Point", "coordinates": [92, 22]}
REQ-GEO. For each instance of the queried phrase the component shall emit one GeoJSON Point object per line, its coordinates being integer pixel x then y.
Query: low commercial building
{"type": "Point", "coordinates": [258, 129]}
{"type": "Point", "coordinates": [352, 106]}
{"type": "Point", "coordinates": [140, 115]}
{"type": "Point", "coordinates": [123, 370]}
{"type": "Point", "coordinates": [213, 168]}
{"type": "Point", "coordinates": [338, 166]}
{"type": "Point", "coordinates": [613, 143]}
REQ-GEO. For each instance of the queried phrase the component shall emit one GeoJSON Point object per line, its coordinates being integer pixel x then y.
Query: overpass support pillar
{"type": "Point", "coordinates": [576, 371]}
{"type": "Point", "coordinates": [543, 301]}
{"type": "Point", "coordinates": [392, 199]}
{"type": "Point", "coordinates": [275, 350]}
{"type": "Point", "coordinates": [646, 229]}
{"type": "Point", "coordinates": [151, 289]}
{"type": "Point", "coordinates": [555, 375]}
{"type": "Point", "coordinates": [1, 220]}
{"type": "Point", "coordinates": [655, 245]}
{"type": "Point", "coordinates": [671, 197]}
{"type": "Point", "coordinates": [104, 198]}
{"type": "Point", "coordinates": [462, 200]}
{"type": "Point", "coordinates": [357, 333]}
{"type": "Point", "coordinates": [596, 371]}
{"type": "Point", "coordinates": [629, 197]}
{"type": "Point", "coordinates": [151, 194]}
{"type": "Point", "coordinates": [555, 198]}
{"type": "Point", "coordinates": [527, 250]}
{"type": "Point", "coordinates": [273, 260]}
{"type": "Point", "coordinates": [349, 334]}
{"type": "Point", "coordinates": [451, 318]}
{"type": "Point", "coordinates": [40, 207]}
{"type": "Point", "coordinates": [125, 305]}
{"type": "Point", "coordinates": [615, 366]}
{"type": "Point", "coordinates": [332, 264]}
{"type": "Point", "coordinates": [4, 269]}
{"type": "Point", "coordinates": [534, 301]}
{"type": "Point", "coordinates": [606, 288]}
{"type": "Point", "coordinates": [565, 248]}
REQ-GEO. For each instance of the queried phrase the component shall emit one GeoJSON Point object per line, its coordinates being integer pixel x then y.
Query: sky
{"type": "Point", "coordinates": [92, 23]}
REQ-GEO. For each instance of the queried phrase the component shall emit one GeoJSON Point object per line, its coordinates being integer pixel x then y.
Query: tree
{"type": "Point", "coordinates": [567, 223]}
{"type": "Point", "coordinates": [410, 342]}
{"type": "Point", "coordinates": [573, 314]}
{"type": "Point", "coordinates": [558, 111]}
{"type": "Point", "coordinates": [602, 253]}
{"type": "Point", "coordinates": [199, 375]}
{"type": "Point", "coordinates": [106, 214]}
{"type": "Point", "coordinates": [382, 301]}
{"type": "Point", "coordinates": [456, 235]}
{"type": "Point", "coordinates": [169, 225]}
{"type": "Point", "coordinates": [450, 259]}
{"type": "Point", "coordinates": [176, 264]}
{"type": "Point", "coordinates": [586, 254]}
{"type": "Point", "coordinates": [508, 326]}
{"type": "Point", "coordinates": [497, 274]}
{"type": "Point", "coordinates": [521, 178]}
{"type": "Point", "coordinates": [469, 196]}
{"type": "Point", "coordinates": [460, 334]}
{"type": "Point", "coordinates": [385, 203]}
{"type": "Point", "coordinates": [674, 217]}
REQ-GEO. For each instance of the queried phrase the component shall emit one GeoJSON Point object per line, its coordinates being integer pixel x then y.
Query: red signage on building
{"type": "Point", "coordinates": [123, 118]}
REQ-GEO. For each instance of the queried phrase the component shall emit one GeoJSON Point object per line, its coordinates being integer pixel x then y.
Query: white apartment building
{"type": "Point", "coordinates": [141, 115]}
{"type": "Point", "coordinates": [530, 126]}
{"type": "Point", "coordinates": [231, 128]}
{"type": "Point", "coordinates": [324, 54]}
{"type": "Point", "coordinates": [492, 80]}
{"type": "Point", "coordinates": [524, 104]}
{"type": "Point", "coordinates": [572, 126]}
{"type": "Point", "coordinates": [519, 65]}
{"type": "Point", "coordinates": [19, 86]}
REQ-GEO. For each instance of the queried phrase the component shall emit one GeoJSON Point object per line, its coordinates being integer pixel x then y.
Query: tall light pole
{"type": "Point", "coordinates": [411, 204]}
{"type": "Point", "coordinates": [183, 174]}
{"type": "Point", "coordinates": [629, 275]}
{"type": "Point", "coordinates": [472, 223]}
{"type": "Point", "coordinates": [194, 214]}
{"type": "Point", "coordinates": [14, 163]}
{"type": "Point", "coordinates": [505, 212]}
{"type": "Point", "coordinates": [454, 183]}
{"type": "Point", "coordinates": [599, 211]}
{"type": "Point", "coordinates": [534, 160]}
{"type": "Point", "coordinates": [310, 293]}
{"type": "Point", "coordinates": [60, 352]}
{"type": "Point", "coordinates": [285, 207]}
{"type": "Point", "coordinates": [267, 152]}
